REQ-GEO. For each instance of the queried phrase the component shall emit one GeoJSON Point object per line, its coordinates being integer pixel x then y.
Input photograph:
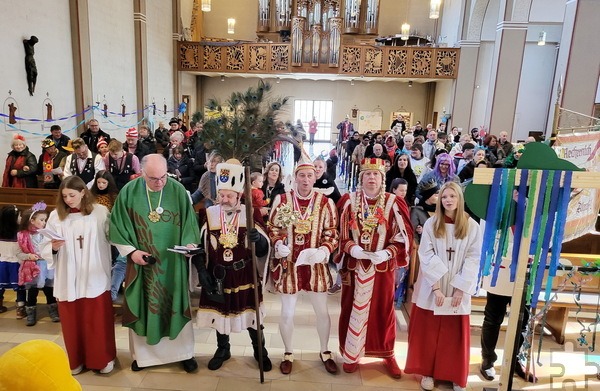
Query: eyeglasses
{"type": "Point", "coordinates": [156, 180]}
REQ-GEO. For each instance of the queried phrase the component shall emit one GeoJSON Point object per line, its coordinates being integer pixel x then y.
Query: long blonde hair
{"type": "Point", "coordinates": [461, 218]}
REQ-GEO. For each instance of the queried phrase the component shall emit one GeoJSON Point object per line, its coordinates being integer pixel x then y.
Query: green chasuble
{"type": "Point", "coordinates": [157, 302]}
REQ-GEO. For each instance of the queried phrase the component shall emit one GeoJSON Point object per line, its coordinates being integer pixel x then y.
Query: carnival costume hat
{"type": "Point", "coordinates": [101, 142]}
{"type": "Point", "coordinates": [372, 163]}
{"type": "Point", "coordinates": [69, 146]}
{"type": "Point", "coordinates": [19, 137]}
{"type": "Point", "coordinates": [427, 189]}
{"type": "Point", "coordinates": [173, 121]}
{"type": "Point", "coordinates": [47, 143]}
{"type": "Point", "coordinates": [230, 176]}
{"type": "Point", "coordinates": [304, 163]}
{"type": "Point", "coordinates": [132, 132]}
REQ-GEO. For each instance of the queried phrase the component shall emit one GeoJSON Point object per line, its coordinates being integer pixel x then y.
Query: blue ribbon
{"type": "Point", "coordinates": [487, 248]}
{"type": "Point", "coordinates": [537, 219]}
{"type": "Point", "coordinates": [49, 120]}
{"type": "Point", "coordinates": [40, 134]}
{"type": "Point", "coordinates": [559, 230]}
{"type": "Point", "coordinates": [519, 223]}
{"type": "Point", "coordinates": [554, 201]}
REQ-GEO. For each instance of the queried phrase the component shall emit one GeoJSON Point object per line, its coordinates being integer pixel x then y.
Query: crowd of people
{"type": "Point", "coordinates": [127, 196]}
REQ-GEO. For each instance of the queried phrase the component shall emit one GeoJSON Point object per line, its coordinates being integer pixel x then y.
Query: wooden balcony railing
{"type": "Point", "coordinates": [411, 62]}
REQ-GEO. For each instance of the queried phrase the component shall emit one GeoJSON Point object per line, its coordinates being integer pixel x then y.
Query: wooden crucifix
{"type": "Point", "coordinates": [80, 240]}
{"type": "Point", "coordinates": [485, 176]}
{"type": "Point", "coordinates": [450, 251]}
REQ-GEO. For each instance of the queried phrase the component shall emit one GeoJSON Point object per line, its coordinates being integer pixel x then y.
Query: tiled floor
{"type": "Point", "coordinates": [561, 365]}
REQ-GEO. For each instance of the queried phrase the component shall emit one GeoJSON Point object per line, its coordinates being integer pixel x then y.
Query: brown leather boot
{"type": "Point", "coordinates": [21, 311]}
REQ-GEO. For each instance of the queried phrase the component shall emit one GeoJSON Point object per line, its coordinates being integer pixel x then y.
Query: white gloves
{"type": "Point", "coordinates": [312, 256]}
{"type": "Point", "coordinates": [380, 257]}
{"type": "Point", "coordinates": [281, 250]}
{"type": "Point", "coordinates": [358, 253]}
{"type": "Point", "coordinates": [376, 258]}
{"type": "Point", "coordinates": [322, 255]}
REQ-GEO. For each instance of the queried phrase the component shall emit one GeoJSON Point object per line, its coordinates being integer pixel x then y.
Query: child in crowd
{"type": "Point", "coordinates": [179, 164]}
{"type": "Point", "coordinates": [102, 146]}
{"type": "Point", "coordinates": [34, 273]}
{"type": "Point", "coordinates": [207, 188]}
{"type": "Point", "coordinates": [105, 189]}
{"type": "Point", "coordinates": [256, 181]}
{"type": "Point", "coordinates": [399, 188]}
{"type": "Point", "coordinates": [83, 293]}
{"type": "Point", "coordinates": [10, 217]}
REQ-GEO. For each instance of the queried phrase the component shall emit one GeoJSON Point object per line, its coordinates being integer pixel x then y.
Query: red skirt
{"type": "Point", "coordinates": [439, 346]}
{"type": "Point", "coordinates": [89, 331]}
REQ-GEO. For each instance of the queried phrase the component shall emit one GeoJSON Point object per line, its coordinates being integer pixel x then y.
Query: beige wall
{"type": "Point", "coordinates": [364, 95]}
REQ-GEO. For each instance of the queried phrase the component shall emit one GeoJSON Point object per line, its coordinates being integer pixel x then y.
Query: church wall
{"type": "Point", "coordinates": [20, 19]}
{"type": "Point", "coordinates": [545, 11]}
{"type": "Point", "coordinates": [112, 48]}
{"type": "Point", "coordinates": [534, 90]}
{"type": "Point", "coordinates": [482, 80]}
{"type": "Point", "coordinates": [365, 96]}
{"type": "Point", "coordinates": [160, 64]}
{"type": "Point", "coordinates": [188, 86]}
{"type": "Point", "coordinates": [444, 92]}
{"type": "Point", "coordinates": [450, 27]}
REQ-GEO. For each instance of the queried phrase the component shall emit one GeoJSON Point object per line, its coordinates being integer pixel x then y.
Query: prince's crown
{"type": "Point", "coordinates": [372, 164]}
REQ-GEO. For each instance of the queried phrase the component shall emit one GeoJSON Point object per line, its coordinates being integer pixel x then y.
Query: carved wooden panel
{"type": "Point", "coordinates": [280, 57]}
{"type": "Point", "coordinates": [421, 62]}
{"type": "Point", "coordinates": [235, 58]}
{"type": "Point", "coordinates": [212, 58]}
{"type": "Point", "coordinates": [373, 61]}
{"type": "Point", "coordinates": [257, 60]}
{"type": "Point", "coordinates": [350, 59]}
{"type": "Point", "coordinates": [188, 57]}
{"type": "Point", "coordinates": [446, 63]}
{"type": "Point", "coordinates": [355, 60]}
{"type": "Point", "coordinates": [397, 62]}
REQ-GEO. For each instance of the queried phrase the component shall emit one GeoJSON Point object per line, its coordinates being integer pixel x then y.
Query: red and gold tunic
{"type": "Point", "coordinates": [315, 226]}
{"type": "Point", "coordinates": [368, 289]}
{"type": "Point", "coordinates": [234, 267]}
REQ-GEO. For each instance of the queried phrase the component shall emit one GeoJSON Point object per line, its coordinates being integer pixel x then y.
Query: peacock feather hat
{"type": "Point", "coordinates": [245, 124]}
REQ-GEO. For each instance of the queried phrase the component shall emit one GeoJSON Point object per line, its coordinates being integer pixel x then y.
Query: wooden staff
{"type": "Point", "coordinates": [249, 227]}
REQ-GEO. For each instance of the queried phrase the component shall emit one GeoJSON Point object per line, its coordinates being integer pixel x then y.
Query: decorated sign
{"type": "Point", "coordinates": [583, 150]}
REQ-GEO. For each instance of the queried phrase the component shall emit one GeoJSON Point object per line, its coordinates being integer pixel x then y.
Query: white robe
{"type": "Point", "coordinates": [81, 271]}
{"type": "Point", "coordinates": [461, 272]}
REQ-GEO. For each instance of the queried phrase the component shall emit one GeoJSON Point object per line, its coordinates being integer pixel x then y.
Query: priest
{"type": "Point", "coordinates": [152, 214]}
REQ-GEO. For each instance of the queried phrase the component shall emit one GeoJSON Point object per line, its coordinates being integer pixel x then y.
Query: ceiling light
{"type": "Point", "coordinates": [542, 38]}
{"type": "Point", "coordinates": [410, 83]}
{"type": "Point", "coordinates": [231, 26]}
{"type": "Point", "coordinates": [434, 9]}
{"type": "Point", "coordinates": [222, 77]}
{"type": "Point", "coordinates": [352, 82]}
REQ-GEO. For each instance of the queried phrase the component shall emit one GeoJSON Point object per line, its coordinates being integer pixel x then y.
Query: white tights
{"type": "Point", "coordinates": [286, 324]}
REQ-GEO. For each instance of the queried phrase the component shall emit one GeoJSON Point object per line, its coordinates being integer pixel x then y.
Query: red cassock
{"type": "Point", "coordinates": [367, 325]}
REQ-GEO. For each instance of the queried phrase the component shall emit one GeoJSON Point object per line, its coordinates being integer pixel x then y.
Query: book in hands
{"type": "Point", "coordinates": [50, 234]}
{"type": "Point", "coordinates": [185, 250]}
